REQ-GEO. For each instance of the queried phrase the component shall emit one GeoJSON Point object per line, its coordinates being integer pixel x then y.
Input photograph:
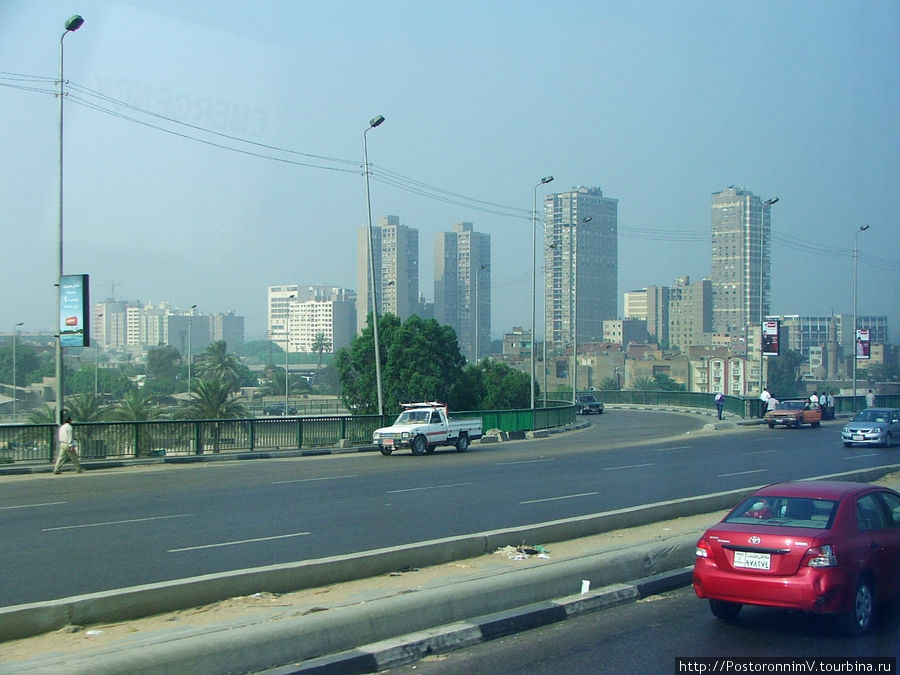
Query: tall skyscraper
{"type": "Point", "coordinates": [462, 287]}
{"type": "Point", "coordinates": [741, 260]}
{"type": "Point", "coordinates": [396, 253]}
{"type": "Point", "coordinates": [581, 264]}
{"type": "Point", "coordinates": [298, 315]}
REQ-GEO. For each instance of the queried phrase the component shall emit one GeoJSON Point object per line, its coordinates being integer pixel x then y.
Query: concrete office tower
{"type": "Point", "coordinates": [741, 260]}
{"type": "Point", "coordinates": [652, 305]}
{"type": "Point", "coordinates": [396, 250]}
{"type": "Point", "coordinates": [690, 313]}
{"type": "Point", "coordinates": [581, 265]}
{"type": "Point", "coordinates": [279, 301]}
{"type": "Point", "coordinates": [462, 287]}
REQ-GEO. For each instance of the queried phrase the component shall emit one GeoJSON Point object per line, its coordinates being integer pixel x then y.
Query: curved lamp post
{"type": "Point", "coordinates": [374, 122]}
{"type": "Point", "coordinates": [762, 221]}
{"type": "Point", "coordinates": [15, 389]}
{"type": "Point", "coordinates": [478, 271]}
{"type": "Point", "coordinates": [861, 228]}
{"type": "Point", "coordinates": [573, 274]}
{"type": "Point", "coordinates": [73, 24]}
{"type": "Point", "coordinates": [287, 343]}
{"type": "Point", "coordinates": [544, 181]}
{"type": "Point", "coordinates": [190, 354]}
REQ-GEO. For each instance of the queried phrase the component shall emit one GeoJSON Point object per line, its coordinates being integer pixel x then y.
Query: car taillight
{"type": "Point", "coordinates": [821, 556]}
{"type": "Point", "coordinates": [704, 549]}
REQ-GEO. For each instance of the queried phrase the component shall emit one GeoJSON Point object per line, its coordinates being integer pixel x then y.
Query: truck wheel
{"type": "Point", "coordinates": [385, 450]}
{"type": "Point", "coordinates": [419, 445]}
{"type": "Point", "coordinates": [462, 443]}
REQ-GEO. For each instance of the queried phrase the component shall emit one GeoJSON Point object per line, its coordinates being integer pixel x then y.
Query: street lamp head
{"type": "Point", "coordinates": [769, 202]}
{"type": "Point", "coordinates": [74, 23]}
{"type": "Point", "coordinates": [376, 121]}
{"type": "Point", "coordinates": [863, 228]}
{"type": "Point", "coordinates": [587, 219]}
{"type": "Point", "coordinates": [546, 179]}
{"type": "Point", "coordinates": [21, 323]}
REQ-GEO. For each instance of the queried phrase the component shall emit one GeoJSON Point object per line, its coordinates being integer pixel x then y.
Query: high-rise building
{"type": "Point", "coordinates": [652, 305]}
{"type": "Point", "coordinates": [396, 255]}
{"type": "Point", "coordinates": [462, 287]}
{"type": "Point", "coordinates": [741, 260]}
{"type": "Point", "coordinates": [581, 265]}
{"type": "Point", "coordinates": [228, 328]}
{"type": "Point", "coordinates": [690, 313]}
{"type": "Point", "coordinates": [299, 315]}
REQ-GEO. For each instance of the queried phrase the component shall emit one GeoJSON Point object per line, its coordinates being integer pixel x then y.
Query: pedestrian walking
{"type": "Point", "coordinates": [870, 399]}
{"type": "Point", "coordinates": [68, 447]}
{"type": "Point", "coordinates": [720, 404]}
{"type": "Point", "coordinates": [764, 397]}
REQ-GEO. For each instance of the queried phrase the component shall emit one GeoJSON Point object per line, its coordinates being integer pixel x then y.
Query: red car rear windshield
{"type": "Point", "coordinates": [785, 511]}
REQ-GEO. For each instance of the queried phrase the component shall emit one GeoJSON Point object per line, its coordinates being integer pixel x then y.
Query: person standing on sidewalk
{"type": "Point", "coordinates": [870, 399]}
{"type": "Point", "coordinates": [68, 449]}
{"type": "Point", "coordinates": [720, 404]}
{"type": "Point", "coordinates": [764, 397]}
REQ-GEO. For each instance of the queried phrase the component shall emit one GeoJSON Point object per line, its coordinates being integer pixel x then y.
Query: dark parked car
{"type": "Point", "coordinates": [586, 404]}
{"type": "Point", "coordinates": [873, 426]}
{"type": "Point", "coordinates": [825, 547]}
{"type": "Point", "coordinates": [278, 409]}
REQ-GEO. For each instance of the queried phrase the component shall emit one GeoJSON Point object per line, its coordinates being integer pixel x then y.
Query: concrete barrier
{"type": "Point", "coordinates": [20, 621]}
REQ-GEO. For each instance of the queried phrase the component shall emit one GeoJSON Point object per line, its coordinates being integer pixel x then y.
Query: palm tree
{"type": "Point", "coordinates": [135, 407]}
{"type": "Point", "coordinates": [213, 400]}
{"type": "Point", "coordinates": [217, 363]}
{"type": "Point", "coordinates": [84, 408]}
{"type": "Point", "coordinates": [320, 344]}
{"type": "Point", "coordinates": [274, 384]}
{"type": "Point", "coordinates": [645, 384]}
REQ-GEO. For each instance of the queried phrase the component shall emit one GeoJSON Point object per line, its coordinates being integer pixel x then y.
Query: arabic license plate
{"type": "Point", "coordinates": [752, 560]}
{"type": "Point", "coordinates": [388, 441]}
{"type": "Point", "coordinates": [857, 437]}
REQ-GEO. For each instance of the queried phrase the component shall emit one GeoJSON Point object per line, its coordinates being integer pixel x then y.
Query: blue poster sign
{"type": "Point", "coordinates": [74, 323]}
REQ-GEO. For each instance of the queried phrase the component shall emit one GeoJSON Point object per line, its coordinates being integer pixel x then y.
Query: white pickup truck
{"type": "Point", "coordinates": [423, 426]}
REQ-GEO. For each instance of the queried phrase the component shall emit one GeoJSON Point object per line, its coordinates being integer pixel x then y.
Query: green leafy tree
{"type": "Point", "coordinates": [666, 383]}
{"type": "Point", "coordinates": [783, 374]}
{"type": "Point", "coordinates": [84, 408]}
{"type": "Point", "coordinates": [609, 384]}
{"type": "Point", "coordinates": [27, 362]}
{"type": "Point", "coordinates": [109, 381]}
{"type": "Point", "coordinates": [420, 361]}
{"type": "Point", "coordinates": [162, 370]}
{"type": "Point", "coordinates": [217, 363]}
{"type": "Point", "coordinates": [274, 383]}
{"type": "Point", "coordinates": [43, 415]}
{"type": "Point", "coordinates": [490, 385]}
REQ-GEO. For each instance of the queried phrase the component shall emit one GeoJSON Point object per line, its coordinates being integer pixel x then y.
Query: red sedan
{"type": "Point", "coordinates": [818, 546]}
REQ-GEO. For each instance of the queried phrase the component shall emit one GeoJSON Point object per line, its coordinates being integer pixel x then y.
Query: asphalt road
{"type": "Point", "coordinates": [72, 534]}
{"type": "Point", "coordinates": [650, 636]}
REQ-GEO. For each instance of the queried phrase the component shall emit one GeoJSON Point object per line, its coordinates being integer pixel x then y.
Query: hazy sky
{"type": "Point", "coordinates": [659, 104]}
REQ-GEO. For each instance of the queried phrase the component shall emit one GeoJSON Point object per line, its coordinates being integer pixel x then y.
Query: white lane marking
{"type": "Point", "coordinates": [677, 447]}
{"type": "Point", "coordinates": [868, 454]}
{"type": "Point", "coordinates": [628, 466]}
{"type": "Point", "coordinates": [235, 543]}
{"type": "Point", "coordinates": [524, 461]}
{"type": "Point", "coordinates": [115, 522]}
{"type": "Point", "coordinates": [760, 452]}
{"type": "Point", "coordinates": [741, 473]}
{"type": "Point", "coordinates": [553, 499]}
{"type": "Point", "coordinates": [310, 480]}
{"type": "Point", "coordinates": [430, 487]}
{"type": "Point", "coordinates": [31, 506]}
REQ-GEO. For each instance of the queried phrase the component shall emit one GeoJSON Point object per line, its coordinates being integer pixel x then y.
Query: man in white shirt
{"type": "Point", "coordinates": [764, 397]}
{"type": "Point", "coordinates": [870, 399]}
{"type": "Point", "coordinates": [68, 449]}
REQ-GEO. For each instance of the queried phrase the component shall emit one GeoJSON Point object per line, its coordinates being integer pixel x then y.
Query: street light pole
{"type": "Point", "coordinates": [96, 359]}
{"type": "Point", "coordinates": [544, 181]}
{"type": "Point", "coordinates": [374, 122]}
{"type": "Point", "coordinates": [190, 354]}
{"type": "Point", "coordinates": [73, 24]}
{"type": "Point", "coordinates": [15, 390]}
{"type": "Point", "coordinates": [287, 342]}
{"type": "Point", "coordinates": [573, 282]}
{"type": "Point", "coordinates": [478, 270]}
{"type": "Point", "coordinates": [861, 228]}
{"type": "Point", "coordinates": [762, 222]}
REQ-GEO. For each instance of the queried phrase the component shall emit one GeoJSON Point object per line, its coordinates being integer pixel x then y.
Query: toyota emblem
{"type": "Point", "coordinates": [754, 539]}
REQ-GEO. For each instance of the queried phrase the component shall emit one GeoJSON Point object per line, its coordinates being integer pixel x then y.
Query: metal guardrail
{"type": "Point", "coordinates": [100, 440]}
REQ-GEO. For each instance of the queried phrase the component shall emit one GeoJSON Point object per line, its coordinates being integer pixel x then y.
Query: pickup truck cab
{"type": "Point", "coordinates": [422, 427]}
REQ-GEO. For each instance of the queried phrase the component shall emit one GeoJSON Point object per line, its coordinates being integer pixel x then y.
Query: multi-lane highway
{"type": "Point", "coordinates": [71, 534]}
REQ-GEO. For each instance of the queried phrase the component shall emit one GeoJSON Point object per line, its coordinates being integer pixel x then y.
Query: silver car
{"type": "Point", "coordinates": [873, 426]}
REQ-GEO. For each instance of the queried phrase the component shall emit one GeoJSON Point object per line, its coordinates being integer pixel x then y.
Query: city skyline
{"type": "Point", "coordinates": [795, 103]}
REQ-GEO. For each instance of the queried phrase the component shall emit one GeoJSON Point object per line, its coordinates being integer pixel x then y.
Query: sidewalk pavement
{"type": "Point", "coordinates": [383, 621]}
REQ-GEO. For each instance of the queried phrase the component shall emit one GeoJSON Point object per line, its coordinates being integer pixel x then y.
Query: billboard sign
{"type": "Point", "coordinates": [863, 346]}
{"type": "Point", "coordinates": [74, 303]}
{"type": "Point", "coordinates": [770, 334]}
